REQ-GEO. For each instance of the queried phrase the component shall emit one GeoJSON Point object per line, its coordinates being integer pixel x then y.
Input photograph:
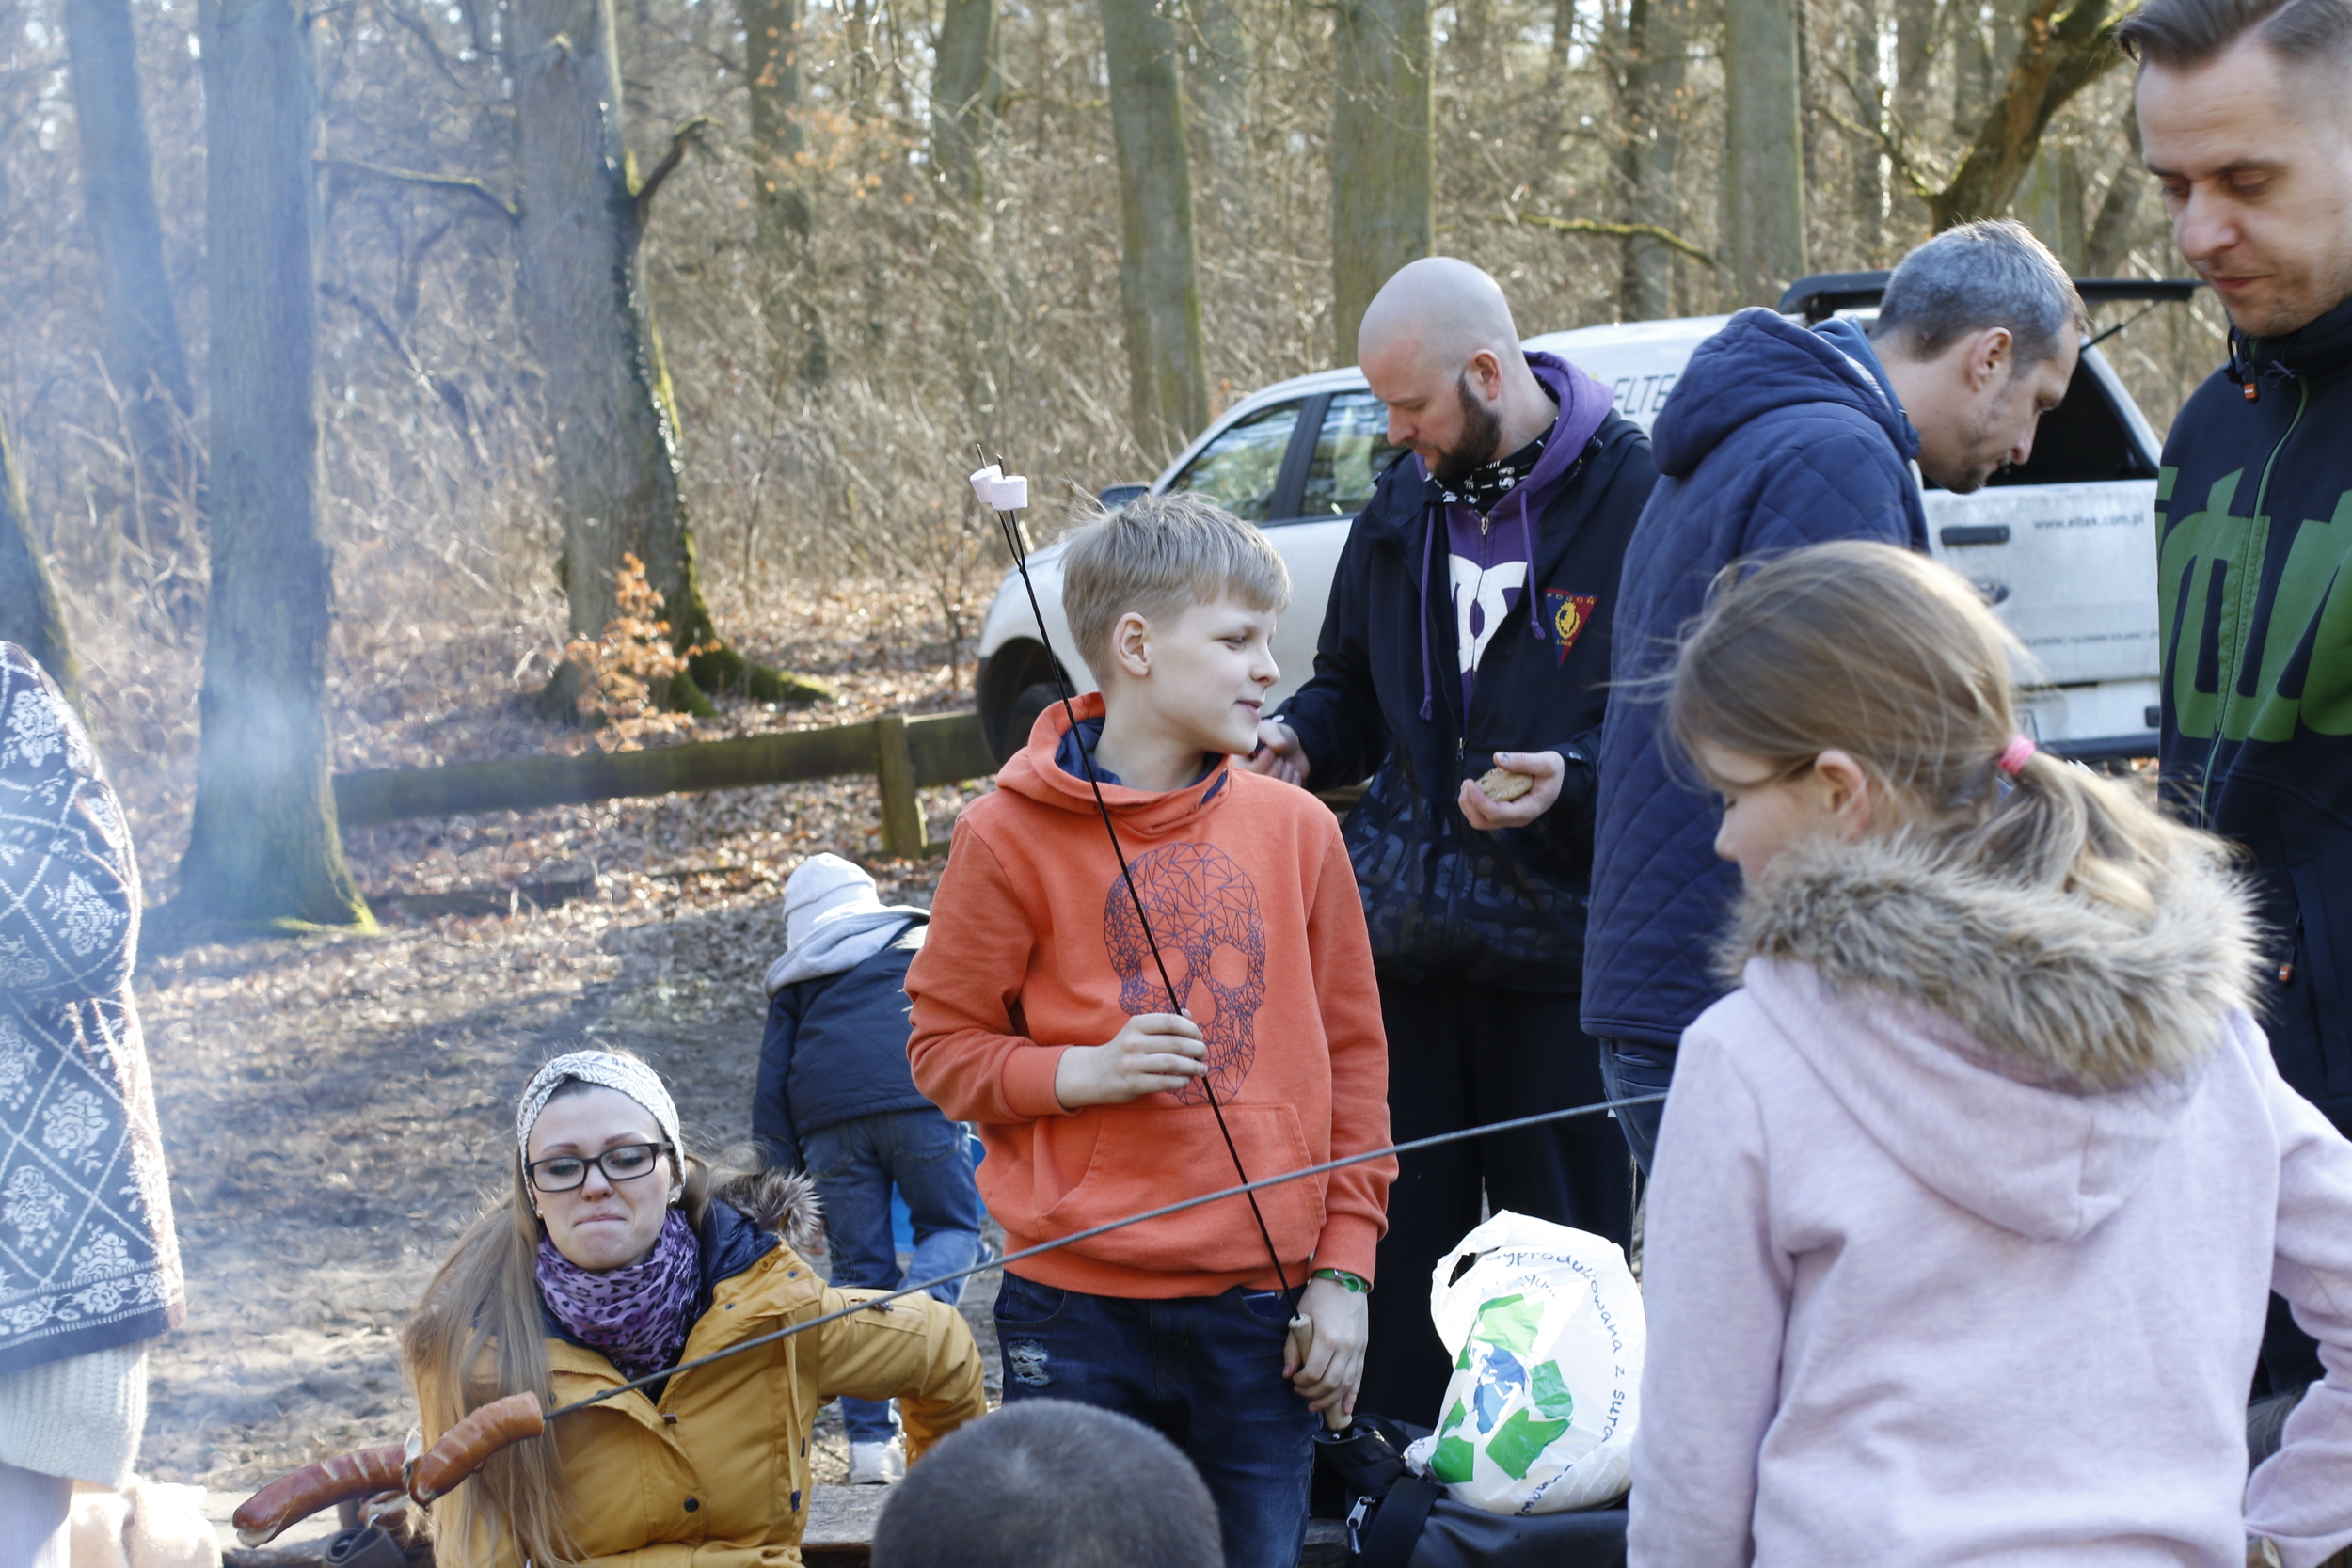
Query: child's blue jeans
{"type": "Point", "coordinates": [856, 1163]}
{"type": "Point", "coordinates": [1205, 1371]}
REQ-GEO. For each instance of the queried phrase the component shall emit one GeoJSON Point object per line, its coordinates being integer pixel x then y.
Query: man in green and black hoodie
{"type": "Point", "coordinates": [2247, 124]}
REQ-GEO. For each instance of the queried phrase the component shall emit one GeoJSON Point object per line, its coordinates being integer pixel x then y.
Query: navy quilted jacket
{"type": "Point", "coordinates": [1775, 438]}
{"type": "Point", "coordinates": [1445, 899]}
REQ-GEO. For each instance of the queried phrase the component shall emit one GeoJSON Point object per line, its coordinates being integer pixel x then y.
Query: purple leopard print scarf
{"type": "Point", "coordinates": [639, 1314]}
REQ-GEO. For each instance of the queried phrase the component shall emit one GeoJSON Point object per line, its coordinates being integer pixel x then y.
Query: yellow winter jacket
{"type": "Point", "coordinates": [715, 1473]}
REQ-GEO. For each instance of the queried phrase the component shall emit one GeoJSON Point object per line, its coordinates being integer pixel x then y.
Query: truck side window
{"type": "Point", "coordinates": [1352, 451]}
{"type": "Point", "coordinates": [1240, 468]}
{"type": "Point", "coordinates": [2083, 440]}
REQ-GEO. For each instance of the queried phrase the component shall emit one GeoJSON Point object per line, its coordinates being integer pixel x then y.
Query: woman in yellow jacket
{"type": "Point", "coordinates": [620, 1255]}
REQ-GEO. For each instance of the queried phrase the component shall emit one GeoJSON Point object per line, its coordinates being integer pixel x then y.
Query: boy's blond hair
{"type": "Point", "coordinates": [1156, 556]}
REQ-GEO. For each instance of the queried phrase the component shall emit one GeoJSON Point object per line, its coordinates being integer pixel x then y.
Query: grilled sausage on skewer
{"type": "Point", "coordinates": [318, 1486]}
{"type": "Point", "coordinates": [468, 1446]}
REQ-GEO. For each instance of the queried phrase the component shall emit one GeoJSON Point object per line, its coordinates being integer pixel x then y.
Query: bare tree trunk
{"type": "Point", "coordinates": [592, 328]}
{"type": "Point", "coordinates": [2110, 238]}
{"type": "Point", "coordinates": [1383, 160]}
{"type": "Point", "coordinates": [143, 353]}
{"type": "Point", "coordinates": [780, 202]}
{"type": "Point", "coordinates": [964, 94]}
{"type": "Point", "coordinates": [1658, 34]}
{"type": "Point", "coordinates": [1764, 153]}
{"type": "Point", "coordinates": [29, 616]}
{"type": "Point", "coordinates": [1159, 274]}
{"type": "Point", "coordinates": [263, 845]}
{"type": "Point", "coordinates": [1869, 164]}
{"type": "Point", "coordinates": [1219, 84]}
{"type": "Point", "coordinates": [964, 89]}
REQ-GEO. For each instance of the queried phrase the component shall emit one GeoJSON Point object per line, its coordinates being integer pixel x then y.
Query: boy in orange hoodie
{"type": "Point", "coordinates": [1040, 1014]}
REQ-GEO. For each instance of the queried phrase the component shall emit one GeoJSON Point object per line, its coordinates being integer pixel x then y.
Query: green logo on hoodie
{"type": "Point", "coordinates": [2210, 569]}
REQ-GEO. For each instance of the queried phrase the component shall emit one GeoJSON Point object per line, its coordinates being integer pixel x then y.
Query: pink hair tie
{"type": "Point", "coordinates": [2020, 751]}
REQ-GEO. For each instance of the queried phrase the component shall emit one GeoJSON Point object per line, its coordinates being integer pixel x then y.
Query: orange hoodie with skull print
{"type": "Point", "coordinates": [1034, 947]}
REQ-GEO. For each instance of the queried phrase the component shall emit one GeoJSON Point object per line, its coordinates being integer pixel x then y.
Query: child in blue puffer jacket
{"type": "Point", "coordinates": [834, 1096]}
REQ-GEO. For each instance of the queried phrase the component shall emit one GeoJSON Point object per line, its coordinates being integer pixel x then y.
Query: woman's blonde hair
{"type": "Point", "coordinates": [1896, 661]}
{"type": "Point", "coordinates": [477, 1335]}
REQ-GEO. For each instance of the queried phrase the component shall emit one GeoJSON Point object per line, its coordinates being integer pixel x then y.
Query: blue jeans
{"type": "Point", "coordinates": [1629, 1068]}
{"type": "Point", "coordinates": [1204, 1371]}
{"type": "Point", "coordinates": [855, 1163]}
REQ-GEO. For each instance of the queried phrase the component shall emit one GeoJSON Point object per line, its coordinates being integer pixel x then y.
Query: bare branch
{"type": "Point", "coordinates": [1886, 134]}
{"type": "Point", "coordinates": [687, 132]}
{"type": "Point", "coordinates": [1612, 231]}
{"type": "Point", "coordinates": [466, 183]}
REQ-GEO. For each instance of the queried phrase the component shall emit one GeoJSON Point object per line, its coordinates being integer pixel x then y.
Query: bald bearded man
{"type": "Point", "coordinates": [1468, 631]}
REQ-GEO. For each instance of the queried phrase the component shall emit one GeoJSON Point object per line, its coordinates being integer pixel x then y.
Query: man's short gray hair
{"type": "Point", "coordinates": [1974, 275]}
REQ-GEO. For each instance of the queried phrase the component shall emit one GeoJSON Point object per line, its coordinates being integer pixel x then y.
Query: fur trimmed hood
{"type": "Point", "coordinates": [2026, 1054]}
{"type": "Point", "coordinates": [2078, 993]}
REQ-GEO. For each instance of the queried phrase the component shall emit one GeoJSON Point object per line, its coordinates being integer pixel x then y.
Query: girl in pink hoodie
{"type": "Point", "coordinates": [1969, 1202]}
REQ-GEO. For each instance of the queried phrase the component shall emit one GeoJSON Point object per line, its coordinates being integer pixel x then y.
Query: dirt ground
{"type": "Point", "coordinates": [335, 1108]}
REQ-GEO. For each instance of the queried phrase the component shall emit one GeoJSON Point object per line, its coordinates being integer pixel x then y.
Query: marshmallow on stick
{"type": "Point", "coordinates": [999, 493]}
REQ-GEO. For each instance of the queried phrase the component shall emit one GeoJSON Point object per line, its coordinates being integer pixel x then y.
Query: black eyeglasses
{"type": "Point", "coordinates": [564, 1172]}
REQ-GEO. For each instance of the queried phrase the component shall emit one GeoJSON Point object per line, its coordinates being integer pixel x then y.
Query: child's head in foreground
{"type": "Point", "coordinates": [1048, 1483]}
{"type": "Point", "coordinates": [1854, 689]}
{"type": "Point", "coordinates": [1171, 602]}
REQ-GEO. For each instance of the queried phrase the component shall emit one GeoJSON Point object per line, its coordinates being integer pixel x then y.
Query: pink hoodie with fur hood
{"type": "Point", "coordinates": [1918, 1295]}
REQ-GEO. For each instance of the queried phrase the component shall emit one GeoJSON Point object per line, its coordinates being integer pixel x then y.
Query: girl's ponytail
{"type": "Point", "coordinates": [1884, 655]}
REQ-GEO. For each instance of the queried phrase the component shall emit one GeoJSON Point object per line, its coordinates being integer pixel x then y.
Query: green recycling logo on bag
{"type": "Point", "coordinates": [1546, 1327]}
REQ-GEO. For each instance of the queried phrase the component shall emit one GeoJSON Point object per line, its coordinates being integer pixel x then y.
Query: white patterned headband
{"type": "Point", "coordinates": [604, 1069]}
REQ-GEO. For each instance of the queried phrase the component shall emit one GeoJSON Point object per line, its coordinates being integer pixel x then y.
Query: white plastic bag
{"type": "Point", "coordinates": [1546, 1334]}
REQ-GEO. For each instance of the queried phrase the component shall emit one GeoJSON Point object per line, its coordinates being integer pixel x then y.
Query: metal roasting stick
{"type": "Point", "coordinates": [1010, 524]}
{"type": "Point", "coordinates": [1538, 1120]}
{"type": "Point", "coordinates": [882, 1302]}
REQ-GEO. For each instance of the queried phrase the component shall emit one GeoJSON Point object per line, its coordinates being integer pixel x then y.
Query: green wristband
{"type": "Point", "coordinates": [1356, 1283]}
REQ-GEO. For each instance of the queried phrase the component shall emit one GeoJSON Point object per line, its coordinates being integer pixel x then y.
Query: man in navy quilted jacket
{"type": "Point", "coordinates": [1778, 437]}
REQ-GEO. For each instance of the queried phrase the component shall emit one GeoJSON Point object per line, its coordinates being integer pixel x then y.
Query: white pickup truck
{"type": "Point", "coordinates": [2064, 546]}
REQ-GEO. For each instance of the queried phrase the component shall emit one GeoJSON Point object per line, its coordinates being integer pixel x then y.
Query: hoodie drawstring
{"type": "Point", "coordinates": [1527, 543]}
{"type": "Point", "coordinates": [1434, 517]}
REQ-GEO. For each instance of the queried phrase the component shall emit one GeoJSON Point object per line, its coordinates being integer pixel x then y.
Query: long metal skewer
{"type": "Point", "coordinates": [1246, 1189]}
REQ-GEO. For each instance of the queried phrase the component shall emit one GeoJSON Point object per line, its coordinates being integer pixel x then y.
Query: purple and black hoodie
{"type": "Point", "coordinates": [1528, 585]}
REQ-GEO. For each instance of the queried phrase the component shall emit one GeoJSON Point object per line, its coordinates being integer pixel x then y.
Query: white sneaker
{"type": "Point", "coordinates": [876, 1464]}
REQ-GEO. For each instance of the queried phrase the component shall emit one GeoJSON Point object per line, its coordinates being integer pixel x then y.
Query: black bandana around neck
{"type": "Point", "coordinates": [1483, 488]}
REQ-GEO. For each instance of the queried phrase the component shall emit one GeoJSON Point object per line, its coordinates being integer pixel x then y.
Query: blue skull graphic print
{"type": "Point", "coordinates": [1203, 909]}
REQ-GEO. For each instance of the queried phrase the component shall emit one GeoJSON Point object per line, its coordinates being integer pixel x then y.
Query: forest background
{"type": "Point", "coordinates": [884, 228]}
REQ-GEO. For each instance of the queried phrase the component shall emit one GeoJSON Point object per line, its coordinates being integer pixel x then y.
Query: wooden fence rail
{"type": "Point", "coordinates": [903, 755]}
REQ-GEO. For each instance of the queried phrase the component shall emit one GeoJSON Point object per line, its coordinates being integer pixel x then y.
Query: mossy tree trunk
{"type": "Point", "coordinates": [29, 616]}
{"type": "Point", "coordinates": [1764, 151]}
{"type": "Point", "coordinates": [1159, 272]}
{"type": "Point", "coordinates": [1383, 162]}
{"type": "Point", "coordinates": [143, 353]}
{"type": "Point", "coordinates": [592, 328]}
{"type": "Point", "coordinates": [263, 843]}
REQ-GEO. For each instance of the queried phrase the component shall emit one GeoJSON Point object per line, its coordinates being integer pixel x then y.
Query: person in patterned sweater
{"type": "Point", "coordinates": [89, 1266]}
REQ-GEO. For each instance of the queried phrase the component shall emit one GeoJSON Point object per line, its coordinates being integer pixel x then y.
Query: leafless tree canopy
{"type": "Point", "coordinates": [902, 234]}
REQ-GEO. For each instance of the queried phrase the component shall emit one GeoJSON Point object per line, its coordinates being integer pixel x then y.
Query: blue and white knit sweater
{"type": "Point", "coordinates": [88, 1260]}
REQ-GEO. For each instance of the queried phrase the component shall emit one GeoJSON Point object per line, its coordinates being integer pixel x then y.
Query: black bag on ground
{"type": "Point", "coordinates": [1396, 1519]}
